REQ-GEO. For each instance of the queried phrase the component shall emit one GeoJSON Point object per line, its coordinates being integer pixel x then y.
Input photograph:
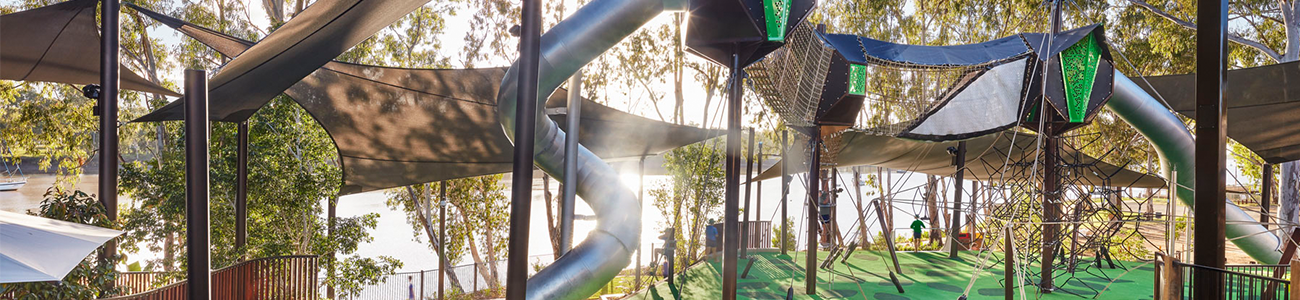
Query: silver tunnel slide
{"type": "Point", "coordinates": [565, 48]}
{"type": "Point", "coordinates": [1176, 148]}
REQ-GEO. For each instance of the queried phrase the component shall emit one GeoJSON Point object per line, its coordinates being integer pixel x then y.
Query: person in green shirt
{"type": "Point", "coordinates": [916, 232]}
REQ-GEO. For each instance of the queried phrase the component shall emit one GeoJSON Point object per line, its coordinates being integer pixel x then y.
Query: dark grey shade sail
{"type": "Point", "coordinates": [985, 157]}
{"type": "Point", "coordinates": [320, 33]}
{"type": "Point", "coordinates": [1262, 105]}
{"type": "Point", "coordinates": [395, 126]}
{"type": "Point", "coordinates": [59, 43]}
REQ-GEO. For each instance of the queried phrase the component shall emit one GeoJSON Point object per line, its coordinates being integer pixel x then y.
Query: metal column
{"type": "Point", "coordinates": [241, 189]}
{"type": "Point", "coordinates": [758, 187]}
{"type": "Point", "coordinates": [749, 173]}
{"type": "Point", "coordinates": [197, 243]}
{"type": "Point", "coordinates": [522, 177]}
{"type": "Point", "coordinates": [1051, 178]}
{"type": "Point", "coordinates": [442, 238]}
{"type": "Point", "coordinates": [730, 230]}
{"type": "Point", "coordinates": [785, 191]}
{"type": "Point", "coordinates": [1211, 155]}
{"type": "Point", "coordinates": [640, 199]}
{"type": "Point", "coordinates": [1266, 195]}
{"type": "Point", "coordinates": [960, 160]}
{"type": "Point", "coordinates": [814, 178]}
{"type": "Point", "coordinates": [570, 184]}
{"type": "Point", "coordinates": [108, 82]}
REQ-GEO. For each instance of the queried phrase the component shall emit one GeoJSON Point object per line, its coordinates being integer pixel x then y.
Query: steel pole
{"type": "Point", "coordinates": [814, 179]}
{"type": "Point", "coordinates": [1266, 195]}
{"type": "Point", "coordinates": [956, 208]}
{"type": "Point", "coordinates": [640, 198]}
{"type": "Point", "coordinates": [241, 189]}
{"type": "Point", "coordinates": [108, 82]}
{"type": "Point", "coordinates": [749, 173]}
{"type": "Point", "coordinates": [442, 238]}
{"type": "Point", "coordinates": [758, 187]}
{"type": "Point", "coordinates": [732, 200]}
{"type": "Point", "coordinates": [785, 191]}
{"type": "Point", "coordinates": [197, 243]}
{"type": "Point", "coordinates": [1211, 154]}
{"type": "Point", "coordinates": [525, 125]}
{"type": "Point", "coordinates": [570, 183]}
{"type": "Point", "coordinates": [1051, 207]}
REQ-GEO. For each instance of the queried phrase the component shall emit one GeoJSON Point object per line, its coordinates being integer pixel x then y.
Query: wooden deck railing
{"type": "Point", "coordinates": [281, 277]}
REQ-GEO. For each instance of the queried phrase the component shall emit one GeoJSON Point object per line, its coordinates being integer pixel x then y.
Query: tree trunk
{"type": "Point", "coordinates": [473, 249]}
{"type": "Point", "coordinates": [552, 227]}
{"type": "Point", "coordinates": [490, 240]}
{"type": "Point", "coordinates": [433, 238]}
{"type": "Point", "coordinates": [1290, 201]}
{"type": "Point", "coordinates": [678, 61]}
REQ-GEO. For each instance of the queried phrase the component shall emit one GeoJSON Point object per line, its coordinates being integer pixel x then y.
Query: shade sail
{"type": "Point", "coordinates": [320, 33]}
{"type": "Point", "coordinates": [395, 126]}
{"type": "Point", "coordinates": [1262, 104]}
{"type": "Point", "coordinates": [39, 249]}
{"type": "Point", "coordinates": [59, 43]}
{"type": "Point", "coordinates": [985, 156]}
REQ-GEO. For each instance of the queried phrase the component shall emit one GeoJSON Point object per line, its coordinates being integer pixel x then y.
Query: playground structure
{"type": "Point", "coordinates": [843, 93]}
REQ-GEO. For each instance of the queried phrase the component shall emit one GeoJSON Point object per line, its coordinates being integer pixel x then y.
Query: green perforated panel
{"type": "Point", "coordinates": [777, 16]}
{"type": "Point", "coordinates": [857, 79]}
{"type": "Point", "coordinates": [1079, 71]}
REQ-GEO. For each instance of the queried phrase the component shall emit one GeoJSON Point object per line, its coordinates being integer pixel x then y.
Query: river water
{"type": "Point", "coordinates": [393, 235]}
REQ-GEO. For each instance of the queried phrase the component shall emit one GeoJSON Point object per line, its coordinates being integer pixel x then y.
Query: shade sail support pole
{"type": "Point", "coordinates": [525, 126]}
{"type": "Point", "coordinates": [241, 189]}
{"type": "Point", "coordinates": [570, 186]}
{"type": "Point", "coordinates": [1211, 154]}
{"type": "Point", "coordinates": [197, 243]}
{"type": "Point", "coordinates": [732, 198]}
{"type": "Point", "coordinates": [110, 11]}
{"type": "Point", "coordinates": [814, 179]}
{"type": "Point", "coordinates": [959, 179]}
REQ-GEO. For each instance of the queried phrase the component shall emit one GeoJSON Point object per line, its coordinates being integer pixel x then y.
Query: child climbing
{"type": "Point", "coordinates": [917, 226]}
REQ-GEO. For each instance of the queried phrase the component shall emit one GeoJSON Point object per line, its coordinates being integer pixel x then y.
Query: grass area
{"type": "Point", "coordinates": [925, 275]}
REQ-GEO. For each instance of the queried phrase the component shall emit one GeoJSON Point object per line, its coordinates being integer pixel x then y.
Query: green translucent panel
{"type": "Point", "coordinates": [778, 14]}
{"type": "Point", "coordinates": [857, 79]}
{"type": "Point", "coordinates": [1079, 71]}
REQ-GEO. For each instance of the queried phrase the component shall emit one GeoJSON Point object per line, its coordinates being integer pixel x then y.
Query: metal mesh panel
{"type": "Point", "coordinates": [790, 80]}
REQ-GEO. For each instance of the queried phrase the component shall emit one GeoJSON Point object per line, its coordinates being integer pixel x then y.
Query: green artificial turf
{"type": "Point", "coordinates": [925, 275]}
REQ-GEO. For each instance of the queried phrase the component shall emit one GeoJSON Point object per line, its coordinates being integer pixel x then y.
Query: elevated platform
{"type": "Point", "coordinates": [925, 275]}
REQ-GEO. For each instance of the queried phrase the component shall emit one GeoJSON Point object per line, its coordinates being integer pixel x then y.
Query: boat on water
{"type": "Point", "coordinates": [12, 184]}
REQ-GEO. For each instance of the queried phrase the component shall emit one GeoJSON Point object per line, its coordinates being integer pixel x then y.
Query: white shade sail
{"type": "Point", "coordinates": [39, 249]}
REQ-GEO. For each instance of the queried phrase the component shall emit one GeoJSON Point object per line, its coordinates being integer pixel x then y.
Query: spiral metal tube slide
{"type": "Point", "coordinates": [565, 48]}
{"type": "Point", "coordinates": [1176, 148]}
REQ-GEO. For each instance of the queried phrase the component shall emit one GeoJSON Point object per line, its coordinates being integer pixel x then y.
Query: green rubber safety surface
{"type": "Point", "coordinates": [925, 275]}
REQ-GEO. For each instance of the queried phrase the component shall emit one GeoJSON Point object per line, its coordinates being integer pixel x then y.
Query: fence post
{"type": "Point", "coordinates": [421, 284]}
{"type": "Point", "coordinates": [1173, 282]}
{"type": "Point", "coordinates": [1294, 287]}
{"type": "Point", "coordinates": [1160, 274]}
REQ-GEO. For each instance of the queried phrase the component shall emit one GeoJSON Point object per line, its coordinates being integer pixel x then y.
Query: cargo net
{"type": "Point", "coordinates": [1098, 231]}
{"type": "Point", "coordinates": [790, 80]}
